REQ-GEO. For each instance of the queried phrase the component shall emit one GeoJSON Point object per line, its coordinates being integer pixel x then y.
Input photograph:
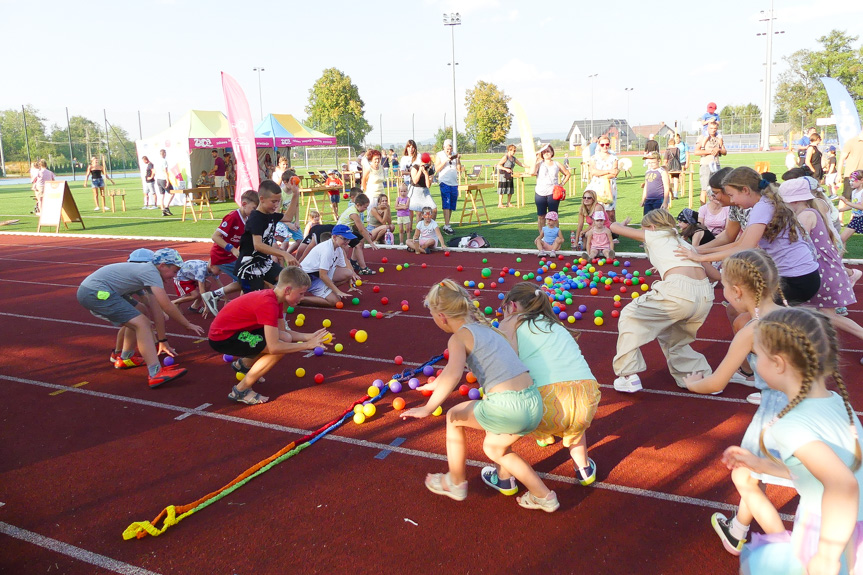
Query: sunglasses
{"type": "Point", "coordinates": [605, 145]}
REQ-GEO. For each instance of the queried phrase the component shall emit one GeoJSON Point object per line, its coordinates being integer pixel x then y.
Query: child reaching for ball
{"type": "Point", "coordinates": [570, 393]}
{"type": "Point", "coordinates": [252, 328]}
{"type": "Point", "coordinates": [670, 313]}
{"type": "Point", "coordinates": [511, 408]}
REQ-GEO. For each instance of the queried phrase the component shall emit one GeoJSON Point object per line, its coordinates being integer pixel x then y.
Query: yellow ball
{"type": "Point", "coordinates": [369, 409]}
{"type": "Point", "coordinates": [466, 283]}
{"type": "Point", "coordinates": [634, 294]}
{"type": "Point", "coordinates": [553, 266]}
{"type": "Point", "coordinates": [299, 323]}
{"type": "Point", "coordinates": [518, 274]}
{"type": "Point", "coordinates": [591, 269]}
{"type": "Point", "coordinates": [301, 317]}
{"type": "Point", "coordinates": [328, 338]}
{"type": "Point", "coordinates": [480, 285]}
{"type": "Point", "coordinates": [475, 303]}
{"type": "Point", "coordinates": [338, 347]}
{"type": "Point", "coordinates": [380, 270]}
{"type": "Point", "coordinates": [359, 418]}
{"type": "Point", "coordinates": [240, 376]}
{"type": "Point", "coordinates": [548, 281]}
{"type": "Point", "coordinates": [644, 287]}
{"type": "Point", "coordinates": [326, 323]}
{"type": "Point", "coordinates": [598, 321]}
{"type": "Point", "coordinates": [571, 319]}
{"type": "Point", "coordinates": [300, 372]}
{"type": "Point", "coordinates": [617, 298]}
{"type": "Point", "coordinates": [373, 391]}
{"type": "Point", "coordinates": [481, 392]}
{"type": "Point", "coordinates": [550, 440]}
{"type": "Point", "coordinates": [359, 283]}
{"type": "Point", "coordinates": [437, 411]}
{"type": "Point", "coordinates": [358, 408]}
{"type": "Point", "coordinates": [361, 336]}
{"type": "Point", "coordinates": [399, 268]}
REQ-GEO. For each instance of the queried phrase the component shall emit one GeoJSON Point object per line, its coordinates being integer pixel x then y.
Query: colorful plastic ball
{"type": "Point", "coordinates": [446, 254]}
{"type": "Point", "coordinates": [446, 354]}
{"type": "Point", "coordinates": [437, 411]}
{"type": "Point", "coordinates": [470, 377]}
{"type": "Point", "coordinates": [577, 315]}
{"type": "Point", "coordinates": [240, 376]}
{"type": "Point", "coordinates": [366, 313]}
{"type": "Point", "coordinates": [517, 274]}
{"type": "Point", "coordinates": [598, 321]}
{"type": "Point", "coordinates": [340, 305]}
{"type": "Point", "coordinates": [359, 418]}
{"type": "Point", "coordinates": [399, 360]}
{"type": "Point", "coordinates": [385, 300]}
{"type": "Point", "coordinates": [338, 347]}
{"type": "Point", "coordinates": [380, 270]}
{"type": "Point", "coordinates": [426, 392]}
{"type": "Point", "coordinates": [355, 301]}
{"type": "Point", "coordinates": [299, 323]}
{"type": "Point", "coordinates": [597, 313]}
{"type": "Point", "coordinates": [376, 289]}
{"type": "Point", "coordinates": [480, 285]}
{"type": "Point", "coordinates": [300, 372]}
{"type": "Point", "coordinates": [562, 315]}
{"type": "Point", "coordinates": [168, 361]}
{"type": "Point", "coordinates": [319, 378]}
{"type": "Point", "coordinates": [463, 389]}
{"type": "Point", "coordinates": [379, 383]}
{"type": "Point", "coordinates": [398, 403]}
{"type": "Point", "coordinates": [428, 371]}
{"type": "Point", "coordinates": [485, 260]}
{"type": "Point", "coordinates": [594, 291]}
{"type": "Point", "coordinates": [634, 295]}
{"type": "Point", "coordinates": [399, 268]}
{"type": "Point", "coordinates": [582, 308]}
{"type": "Point", "coordinates": [395, 386]}
{"type": "Point", "coordinates": [406, 265]}
{"type": "Point", "coordinates": [477, 293]}
{"type": "Point", "coordinates": [622, 289]}
{"type": "Point", "coordinates": [473, 393]}
{"type": "Point", "coordinates": [644, 287]}
{"type": "Point", "coordinates": [319, 351]}
{"type": "Point", "coordinates": [384, 260]}
{"type": "Point", "coordinates": [571, 319]}
{"type": "Point", "coordinates": [615, 313]}
{"type": "Point", "coordinates": [617, 304]}
{"type": "Point", "coordinates": [648, 273]}
{"type": "Point", "coordinates": [413, 383]}
{"type": "Point", "coordinates": [290, 309]}
{"type": "Point", "coordinates": [227, 358]}
{"type": "Point", "coordinates": [518, 260]}
{"type": "Point", "coordinates": [460, 268]}
{"type": "Point", "coordinates": [373, 391]}
{"type": "Point", "coordinates": [405, 307]}
{"type": "Point", "coordinates": [353, 332]}
{"type": "Point", "coordinates": [486, 272]}
{"type": "Point", "coordinates": [488, 310]}
{"type": "Point", "coordinates": [626, 264]}
{"type": "Point", "coordinates": [501, 296]}
{"type": "Point", "coordinates": [424, 266]}
{"type": "Point", "coordinates": [616, 298]}
{"type": "Point", "coordinates": [369, 409]}
{"type": "Point", "coordinates": [361, 336]}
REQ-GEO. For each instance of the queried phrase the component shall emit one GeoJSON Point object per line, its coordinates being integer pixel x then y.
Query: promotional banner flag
{"type": "Point", "coordinates": [844, 111]}
{"type": "Point", "coordinates": [242, 136]}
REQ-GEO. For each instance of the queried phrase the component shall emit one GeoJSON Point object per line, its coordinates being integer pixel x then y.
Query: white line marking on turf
{"type": "Point", "coordinates": [379, 446]}
{"type": "Point", "coordinates": [83, 555]}
{"type": "Point", "coordinates": [199, 408]}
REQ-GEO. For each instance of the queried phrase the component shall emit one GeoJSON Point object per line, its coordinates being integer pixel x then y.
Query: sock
{"type": "Point", "coordinates": [153, 369]}
{"type": "Point", "coordinates": [738, 529]}
{"type": "Point", "coordinates": [127, 354]}
{"type": "Point", "coordinates": [219, 293]}
{"type": "Point", "coordinates": [506, 483]}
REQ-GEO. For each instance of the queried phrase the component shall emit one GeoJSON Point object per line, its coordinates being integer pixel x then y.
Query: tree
{"type": "Point", "coordinates": [12, 130]}
{"type": "Point", "coordinates": [801, 96]}
{"type": "Point", "coordinates": [488, 119]}
{"type": "Point", "coordinates": [463, 143]}
{"type": "Point", "coordinates": [745, 119]}
{"type": "Point", "coordinates": [335, 107]}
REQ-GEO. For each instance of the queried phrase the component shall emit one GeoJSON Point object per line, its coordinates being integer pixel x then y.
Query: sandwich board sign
{"type": "Point", "coordinates": [58, 205]}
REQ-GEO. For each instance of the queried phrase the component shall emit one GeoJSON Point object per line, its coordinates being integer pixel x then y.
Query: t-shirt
{"type": "Point", "coordinates": [124, 278]}
{"type": "Point", "coordinates": [44, 175]}
{"type": "Point", "coordinates": [653, 185]}
{"type": "Point", "coordinates": [346, 219]}
{"type": "Point", "coordinates": [149, 172]}
{"type": "Point", "coordinates": [250, 311]}
{"type": "Point", "coordinates": [792, 259]}
{"type": "Point", "coordinates": [324, 256]}
{"type": "Point", "coordinates": [162, 169]}
{"type": "Point", "coordinates": [713, 222]}
{"type": "Point", "coordinates": [258, 224]}
{"type": "Point", "coordinates": [708, 117]}
{"type": "Point", "coordinates": [427, 231]}
{"type": "Point", "coordinates": [651, 146]}
{"type": "Point", "coordinates": [550, 353]}
{"type": "Point", "coordinates": [856, 198]}
{"type": "Point", "coordinates": [192, 271]}
{"type": "Point", "coordinates": [277, 177]}
{"type": "Point", "coordinates": [683, 149]}
{"type": "Point", "coordinates": [549, 234]}
{"type": "Point", "coordinates": [739, 215]}
{"type": "Point", "coordinates": [448, 174]}
{"type": "Point", "coordinates": [402, 204]}
{"type": "Point", "coordinates": [231, 229]}
{"type": "Point", "coordinates": [219, 165]}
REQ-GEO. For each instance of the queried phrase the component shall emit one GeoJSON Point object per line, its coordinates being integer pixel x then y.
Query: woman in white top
{"type": "Point", "coordinates": [547, 172]}
{"type": "Point", "coordinates": [409, 158]}
{"type": "Point", "coordinates": [373, 177]}
{"type": "Point", "coordinates": [603, 176]}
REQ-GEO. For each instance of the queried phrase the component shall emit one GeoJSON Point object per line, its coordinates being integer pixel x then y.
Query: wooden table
{"type": "Point", "coordinates": [472, 193]}
{"type": "Point", "coordinates": [313, 201]}
{"type": "Point", "coordinates": [518, 183]}
{"type": "Point", "coordinates": [190, 201]}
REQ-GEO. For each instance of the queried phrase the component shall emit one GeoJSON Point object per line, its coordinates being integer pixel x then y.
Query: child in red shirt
{"type": "Point", "coordinates": [334, 180]}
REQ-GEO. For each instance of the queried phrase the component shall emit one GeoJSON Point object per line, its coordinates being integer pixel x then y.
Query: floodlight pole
{"type": "Point", "coordinates": [259, 69]}
{"type": "Point", "coordinates": [768, 79]}
{"type": "Point", "coordinates": [629, 92]}
{"type": "Point", "coordinates": [592, 76]}
{"type": "Point", "coordinates": [452, 20]}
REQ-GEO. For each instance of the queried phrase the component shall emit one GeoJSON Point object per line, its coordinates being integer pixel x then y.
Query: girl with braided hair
{"type": "Point", "coordinates": [816, 437]}
{"type": "Point", "coordinates": [750, 282]}
{"type": "Point", "coordinates": [511, 407]}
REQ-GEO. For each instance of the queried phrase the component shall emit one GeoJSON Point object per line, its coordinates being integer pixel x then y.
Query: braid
{"type": "Point", "coordinates": [759, 286]}
{"type": "Point", "coordinates": [754, 270]}
{"type": "Point", "coordinates": [843, 391]}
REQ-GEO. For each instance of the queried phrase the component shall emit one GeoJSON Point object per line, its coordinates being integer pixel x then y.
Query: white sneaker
{"type": "Point", "coordinates": [211, 301]}
{"type": "Point", "coordinates": [628, 383]}
{"type": "Point", "coordinates": [742, 379]}
{"type": "Point", "coordinates": [754, 398]}
{"type": "Point", "coordinates": [97, 209]}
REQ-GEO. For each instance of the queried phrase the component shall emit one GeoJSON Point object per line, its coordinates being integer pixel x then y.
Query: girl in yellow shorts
{"type": "Point", "coordinates": [570, 393]}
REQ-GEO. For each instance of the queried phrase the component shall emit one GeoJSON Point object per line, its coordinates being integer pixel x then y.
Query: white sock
{"type": "Point", "coordinates": [738, 529]}
{"type": "Point", "coordinates": [219, 293]}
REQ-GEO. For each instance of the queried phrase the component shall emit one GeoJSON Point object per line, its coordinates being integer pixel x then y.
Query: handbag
{"type": "Point", "coordinates": [558, 193]}
{"type": "Point", "coordinates": [605, 195]}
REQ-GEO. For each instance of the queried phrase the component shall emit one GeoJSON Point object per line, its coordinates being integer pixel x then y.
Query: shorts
{"type": "Point", "coordinates": [185, 287]}
{"type": "Point", "coordinates": [448, 197]}
{"type": "Point", "coordinates": [113, 308]}
{"type": "Point", "coordinates": [370, 228]}
{"type": "Point", "coordinates": [403, 220]}
{"type": "Point", "coordinates": [296, 235]}
{"type": "Point", "coordinates": [510, 412]}
{"type": "Point", "coordinates": [799, 290]}
{"type": "Point", "coordinates": [98, 182]}
{"type": "Point", "coordinates": [230, 269]}
{"type": "Point", "coordinates": [356, 241]}
{"type": "Point", "coordinates": [334, 198]}
{"type": "Point", "coordinates": [162, 186]}
{"type": "Point", "coordinates": [545, 204]}
{"type": "Point", "coordinates": [650, 205]}
{"type": "Point", "coordinates": [856, 224]}
{"type": "Point", "coordinates": [316, 231]}
{"type": "Point", "coordinates": [149, 188]}
{"type": "Point", "coordinates": [219, 181]}
{"type": "Point", "coordinates": [253, 275]}
{"type": "Point", "coordinates": [568, 408]}
{"type": "Point", "coordinates": [318, 288]}
{"type": "Point", "coordinates": [246, 343]}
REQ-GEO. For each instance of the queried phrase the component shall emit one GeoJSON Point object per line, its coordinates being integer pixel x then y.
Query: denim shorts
{"type": "Point", "coordinates": [230, 269]}
{"type": "Point", "coordinates": [448, 196]}
{"type": "Point", "coordinates": [510, 412]}
{"type": "Point", "coordinates": [98, 182]}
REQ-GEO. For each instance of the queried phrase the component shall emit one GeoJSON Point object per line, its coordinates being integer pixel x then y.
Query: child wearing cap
{"type": "Point", "coordinates": [551, 238]}
{"type": "Point", "coordinates": [328, 269]}
{"type": "Point", "coordinates": [709, 116]}
{"type": "Point", "coordinates": [656, 191]}
{"type": "Point", "coordinates": [252, 328]}
{"type": "Point", "coordinates": [597, 239]}
{"type": "Point", "coordinates": [106, 293]}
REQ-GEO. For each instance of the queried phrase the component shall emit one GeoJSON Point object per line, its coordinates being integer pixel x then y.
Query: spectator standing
{"type": "Point", "coordinates": [684, 149]}
{"type": "Point", "coordinates": [812, 160]}
{"type": "Point", "coordinates": [409, 158]}
{"type": "Point", "coordinates": [651, 145]}
{"type": "Point", "coordinates": [218, 175]}
{"type": "Point", "coordinates": [162, 183]}
{"type": "Point", "coordinates": [709, 148]}
{"type": "Point", "coordinates": [505, 169]}
{"type": "Point", "coordinates": [672, 165]}
{"type": "Point", "coordinates": [149, 172]}
{"type": "Point", "coordinates": [603, 177]}
{"type": "Point", "coordinates": [547, 172]}
{"type": "Point", "coordinates": [96, 172]}
{"type": "Point", "coordinates": [447, 167]}
{"type": "Point", "coordinates": [42, 176]}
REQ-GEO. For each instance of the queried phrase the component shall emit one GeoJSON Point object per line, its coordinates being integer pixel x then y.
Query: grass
{"type": "Point", "coordinates": [511, 228]}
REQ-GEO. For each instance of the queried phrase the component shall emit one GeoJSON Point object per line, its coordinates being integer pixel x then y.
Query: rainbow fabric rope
{"type": "Point", "coordinates": [173, 514]}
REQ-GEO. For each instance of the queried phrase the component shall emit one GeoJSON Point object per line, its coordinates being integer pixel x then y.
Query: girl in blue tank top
{"type": "Point", "coordinates": [510, 408]}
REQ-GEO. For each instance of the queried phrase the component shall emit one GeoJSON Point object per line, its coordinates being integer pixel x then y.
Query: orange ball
{"type": "Point", "coordinates": [470, 377]}
{"type": "Point", "coordinates": [339, 305]}
{"type": "Point", "coordinates": [398, 404]}
{"type": "Point", "coordinates": [594, 291]}
{"type": "Point", "coordinates": [405, 308]}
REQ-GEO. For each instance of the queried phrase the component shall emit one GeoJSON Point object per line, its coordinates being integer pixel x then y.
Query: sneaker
{"type": "Point", "coordinates": [439, 483]}
{"type": "Point", "coordinates": [586, 475]}
{"type": "Point", "coordinates": [165, 375]}
{"type": "Point", "coordinates": [490, 478]}
{"type": "Point", "coordinates": [628, 384]}
{"type": "Point", "coordinates": [134, 361]}
{"type": "Point", "coordinates": [742, 379]}
{"type": "Point", "coordinates": [355, 265]}
{"type": "Point", "coordinates": [722, 526]}
{"type": "Point", "coordinates": [114, 356]}
{"type": "Point", "coordinates": [754, 398]}
{"type": "Point", "coordinates": [448, 230]}
{"type": "Point", "coordinates": [552, 254]}
{"type": "Point", "coordinates": [549, 504]}
{"type": "Point", "coordinates": [211, 301]}
{"type": "Point", "coordinates": [841, 311]}
{"type": "Point", "coordinates": [97, 209]}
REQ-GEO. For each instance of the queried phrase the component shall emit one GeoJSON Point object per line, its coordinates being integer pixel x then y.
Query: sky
{"type": "Point", "coordinates": [165, 57]}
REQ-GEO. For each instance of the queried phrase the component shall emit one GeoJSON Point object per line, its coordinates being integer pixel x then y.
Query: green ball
{"type": "Point", "coordinates": [636, 281]}
{"type": "Point", "coordinates": [355, 301]}
{"type": "Point", "coordinates": [568, 301]}
{"type": "Point", "coordinates": [635, 274]}
{"type": "Point", "coordinates": [406, 266]}
{"type": "Point", "coordinates": [597, 313]}
{"type": "Point", "coordinates": [518, 260]}
{"type": "Point", "coordinates": [485, 260]}
{"type": "Point", "coordinates": [486, 272]}
{"type": "Point", "coordinates": [488, 310]}
{"type": "Point", "coordinates": [290, 310]}
{"type": "Point", "coordinates": [616, 263]}
{"type": "Point", "coordinates": [648, 273]}
{"type": "Point", "coordinates": [374, 313]}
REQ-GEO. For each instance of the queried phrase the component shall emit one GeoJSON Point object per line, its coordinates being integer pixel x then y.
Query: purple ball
{"type": "Point", "coordinates": [582, 308]}
{"type": "Point", "coordinates": [227, 358]}
{"type": "Point", "coordinates": [395, 387]}
{"type": "Point", "coordinates": [428, 370]}
{"type": "Point", "coordinates": [473, 393]}
{"type": "Point", "coordinates": [577, 315]}
{"type": "Point", "coordinates": [168, 361]}
{"type": "Point", "coordinates": [413, 383]}
{"type": "Point", "coordinates": [562, 315]}
{"type": "Point", "coordinates": [319, 351]}
{"type": "Point", "coordinates": [367, 313]}
{"type": "Point", "coordinates": [379, 383]}
{"type": "Point", "coordinates": [626, 264]}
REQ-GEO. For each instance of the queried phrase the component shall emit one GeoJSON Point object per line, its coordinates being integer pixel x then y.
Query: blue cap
{"type": "Point", "coordinates": [167, 256]}
{"type": "Point", "coordinates": [344, 231]}
{"type": "Point", "coordinates": [141, 256]}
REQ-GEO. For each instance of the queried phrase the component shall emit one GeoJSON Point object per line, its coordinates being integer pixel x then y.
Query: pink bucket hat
{"type": "Point", "coordinates": [796, 190]}
{"type": "Point", "coordinates": [551, 216]}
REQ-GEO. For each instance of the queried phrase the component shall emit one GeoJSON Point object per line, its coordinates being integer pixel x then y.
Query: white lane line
{"type": "Point", "coordinates": [377, 446]}
{"type": "Point", "coordinates": [100, 561]}
{"type": "Point", "coordinates": [199, 408]}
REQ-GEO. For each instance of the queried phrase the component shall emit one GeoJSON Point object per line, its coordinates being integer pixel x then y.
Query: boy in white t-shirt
{"type": "Point", "coordinates": [327, 265]}
{"type": "Point", "coordinates": [427, 234]}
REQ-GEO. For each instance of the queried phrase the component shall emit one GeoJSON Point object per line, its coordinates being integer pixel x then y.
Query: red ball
{"type": "Point", "coordinates": [560, 257]}
{"type": "Point", "coordinates": [615, 313]}
{"type": "Point", "coordinates": [424, 266]}
{"type": "Point", "coordinates": [426, 392]}
{"type": "Point", "coordinates": [353, 333]}
{"type": "Point", "coordinates": [622, 289]}
{"type": "Point", "coordinates": [628, 282]}
{"type": "Point", "coordinates": [438, 372]}
{"type": "Point", "coordinates": [477, 293]}
{"type": "Point", "coordinates": [460, 268]}
{"type": "Point", "coordinates": [503, 274]}
{"type": "Point", "coordinates": [617, 304]}
{"type": "Point", "coordinates": [346, 196]}
{"type": "Point", "coordinates": [385, 300]}
{"type": "Point", "coordinates": [607, 287]}
{"type": "Point", "coordinates": [405, 302]}
{"type": "Point", "coordinates": [381, 315]}
{"type": "Point", "coordinates": [505, 269]}
{"type": "Point", "coordinates": [384, 260]}
{"type": "Point", "coordinates": [376, 289]}
{"type": "Point", "coordinates": [463, 389]}
{"type": "Point", "coordinates": [594, 261]}
{"type": "Point", "coordinates": [399, 359]}
{"type": "Point", "coordinates": [319, 378]}
{"type": "Point", "coordinates": [493, 285]}
{"type": "Point", "coordinates": [446, 254]}
{"type": "Point", "coordinates": [446, 353]}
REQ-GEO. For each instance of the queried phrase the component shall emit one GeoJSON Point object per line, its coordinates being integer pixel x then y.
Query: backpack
{"type": "Point", "coordinates": [472, 241]}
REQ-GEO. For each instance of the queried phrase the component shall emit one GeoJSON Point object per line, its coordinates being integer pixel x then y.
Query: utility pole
{"type": "Point", "coordinates": [71, 153]}
{"type": "Point", "coordinates": [452, 20]}
{"type": "Point", "coordinates": [768, 79]}
{"type": "Point", "coordinates": [26, 136]}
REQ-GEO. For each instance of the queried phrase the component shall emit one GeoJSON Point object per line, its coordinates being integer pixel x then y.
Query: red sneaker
{"type": "Point", "coordinates": [134, 361]}
{"type": "Point", "coordinates": [114, 357]}
{"type": "Point", "coordinates": [166, 374]}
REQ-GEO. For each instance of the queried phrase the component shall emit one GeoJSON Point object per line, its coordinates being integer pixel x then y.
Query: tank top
{"type": "Point", "coordinates": [599, 241]}
{"type": "Point", "coordinates": [492, 359]}
{"type": "Point", "coordinates": [508, 163]}
{"type": "Point", "coordinates": [653, 184]}
{"type": "Point", "coordinates": [660, 246]}
{"type": "Point", "coordinates": [421, 180]}
{"type": "Point", "coordinates": [550, 352]}
{"type": "Point", "coordinates": [95, 174]}
{"type": "Point", "coordinates": [818, 172]}
{"type": "Point", "coordinates": [546, 179]}
{"type": "Point", "coordinates": [375, 183]}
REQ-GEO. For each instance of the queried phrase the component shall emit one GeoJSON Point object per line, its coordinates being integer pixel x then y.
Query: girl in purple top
{"type": "Point", "coordinates": [774, 228]}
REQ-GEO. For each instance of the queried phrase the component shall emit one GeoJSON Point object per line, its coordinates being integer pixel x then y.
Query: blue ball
{"type": "Point", "coordinates": [227, 358]}
{"type": "Point", "coordinates": [626, 264]}
{"type": "Point", "coordinates": [379, 383]}
{"type": "Point", "coordinates": [319, 351]}
{"type": "Point", "coordinates": [367, 313]}
{"type": "Point", "coordinates": [395, 387]}
{"type": "Point", "coordinates": [168, 361]}
{"type": "Point", "coordinates": [473, 393]}
{"type": "Point", "coordinates": [500, 296]}
{"type": "Point", "coordinates": [500, 281]}
{"type": "Point", "coordinates": [471, 284]}
{"type": "Point", "coordinates": [577, 315]}
{"type": "Point", "coordinates": [511, 272]}
{"type": "Point", "coordinates": [428, 370]}
{"type": "Point", "coordinates": [556, 309]}
{"type": "Point", "coordinates": [495, 323]}
{"type": "Point", "coordinates": [562, 315]}
{"type": "Point", "coordinates": [582, 308]}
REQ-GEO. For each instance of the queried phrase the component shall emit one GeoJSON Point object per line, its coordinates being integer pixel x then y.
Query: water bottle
{"type": "Point", "coordinates": [573, 241]}
{"type": "Point", "coordinates": [389, 238]}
